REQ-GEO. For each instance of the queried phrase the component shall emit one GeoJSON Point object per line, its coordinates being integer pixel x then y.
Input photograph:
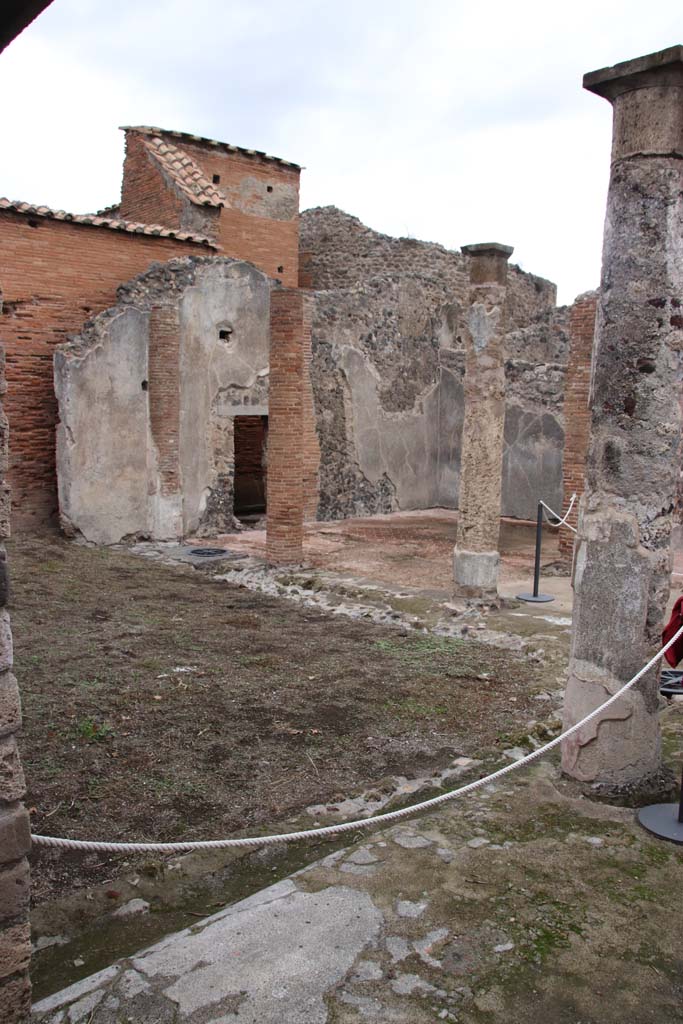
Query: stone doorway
{"type": "Point", "coordinates": [251, 437]}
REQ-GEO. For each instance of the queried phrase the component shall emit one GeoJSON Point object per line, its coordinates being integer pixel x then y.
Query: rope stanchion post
{"type": "Point", "coordinates": [537, 597]}
{"type": "Point", "coordinates": [664, 820]}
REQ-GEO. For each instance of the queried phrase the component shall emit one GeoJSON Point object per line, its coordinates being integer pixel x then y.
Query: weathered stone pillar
{"type": "Point", "coordinates": [475, 562]}
{"type": "Point", "coordinates": [577, 411]}
{"type": "Point", "coordinates": [290, 334]}
{"type": "Point", "coordinates": [623, 557]}
{"type": "Point", "coordinates": [15, 948]}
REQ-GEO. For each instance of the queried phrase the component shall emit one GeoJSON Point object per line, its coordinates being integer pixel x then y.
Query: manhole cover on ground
{"type": "Point", "coordinates": [216, 553]}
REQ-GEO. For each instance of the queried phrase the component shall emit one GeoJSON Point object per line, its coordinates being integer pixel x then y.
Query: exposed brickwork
{"type": "Point", "coordinates": [55, 275]}
{"type": "Point", "coordinates": [164, 392]}
{"type": "Point", "coordinates": [260, 219]}
{"type": "Point", "coordinates": [290, 327]}
{"type": "Point", "coordinates": [146, 195]}
{"type": "Point", "coordinates": [251, 433]}
{"type": "Point", "coordinates": [15, 947]}
{"type": "Point", "coordinates": [576, 409]}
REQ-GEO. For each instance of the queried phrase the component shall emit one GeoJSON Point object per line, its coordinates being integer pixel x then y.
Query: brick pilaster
{"type": "Point", "coordinates": [290, 340]}
{"type": "Point", "coordinates": [164, 393]}
{"type": "Point", "coordinates": [576, 409]}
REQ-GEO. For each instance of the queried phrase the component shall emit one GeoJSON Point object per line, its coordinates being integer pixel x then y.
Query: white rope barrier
{"type": "Point", "coordinates": [352, 826]}
{"type": "Point", "coordinates": [563, 521]}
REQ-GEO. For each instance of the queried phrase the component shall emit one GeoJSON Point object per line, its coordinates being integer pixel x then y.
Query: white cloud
{"type": "Point", "coordinates": [441, 119]}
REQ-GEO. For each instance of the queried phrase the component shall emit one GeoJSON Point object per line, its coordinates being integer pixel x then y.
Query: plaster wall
{"type": "Point", "coordinates": [108, 456]}
{"type": "Point", "coordinates": [388, 370]}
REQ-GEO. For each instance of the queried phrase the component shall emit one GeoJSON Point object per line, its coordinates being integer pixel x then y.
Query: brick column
{"type": "Point", "coordinates": [290, 339]}
{"type": "Point", "coordinates": [623, 545]}
{"type": "Point", "coordinates": [476, 557]}
{"type": "Point", "coordinates": [164, 393]}
{"type": "Point", "coordinates": [15, 947]}
{"type": "Point", "coordinates": [311, 445]}
{"type": "Point", "coordinates": [576, 410]}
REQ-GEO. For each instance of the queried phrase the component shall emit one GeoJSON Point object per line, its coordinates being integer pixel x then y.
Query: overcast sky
{"type": "Point", "coordinates": [446, 120]}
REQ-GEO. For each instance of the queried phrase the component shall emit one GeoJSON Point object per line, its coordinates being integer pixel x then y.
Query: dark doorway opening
{"type": "Point", "coordinates": [251, 438]}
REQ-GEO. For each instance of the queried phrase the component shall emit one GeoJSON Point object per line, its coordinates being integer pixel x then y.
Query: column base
{"type": "Point", "coordinates": [476, 574]}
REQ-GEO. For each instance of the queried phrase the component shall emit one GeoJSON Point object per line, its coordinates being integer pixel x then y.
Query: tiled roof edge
{"type": "Point", "coordinates": [113, 224]}
{"type": "Point", "coordinates": [188, 177]}
{"type": "Point", "coordinates": [187, 137]}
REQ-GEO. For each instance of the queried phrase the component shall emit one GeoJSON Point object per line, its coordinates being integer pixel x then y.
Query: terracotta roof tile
{"type": "Point", "coordinates": [187, 137]}
{"type": "Point", "coordinates": [186, 174]}
{"type": "Point", "coordinates": [112, 223]}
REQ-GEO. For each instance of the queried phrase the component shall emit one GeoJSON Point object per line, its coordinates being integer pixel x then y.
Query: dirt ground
{"type": "Point", "coordinates": [162, 705]}
{"type": "Point", "coordinates": [412, 549]}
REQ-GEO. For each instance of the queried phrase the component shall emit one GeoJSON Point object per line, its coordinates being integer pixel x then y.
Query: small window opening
{"type": "Point", "coordinates": [145, 385]}
{"type": "Point", "coordinates": [280, 270]}
{"type": "Point", "coordinates": [269, 188]}
{"type": "Point", "coordinates": [216, 179]}
{"type": "Point", "coordinates": [33, 223]}
{"type": "Point", "coordinates": [225, 333]}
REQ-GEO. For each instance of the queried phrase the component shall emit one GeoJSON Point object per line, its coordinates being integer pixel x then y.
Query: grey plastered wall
{"type": "Point", "coordinates": [388, 368]}
{"type": "Point", "coordinates": [107, 462]}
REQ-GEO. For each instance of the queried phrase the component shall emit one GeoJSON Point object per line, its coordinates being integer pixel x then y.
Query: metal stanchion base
{"type": "Point", "coordinates": [662, 820]}
{"type": "Point", "coordinates": [536, 598]}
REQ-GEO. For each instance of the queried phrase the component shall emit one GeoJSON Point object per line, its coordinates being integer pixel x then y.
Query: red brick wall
{"type": "Point", "coordinates": [145, 196]}
{"type": "Point", "coordinates": [576, 408]}
{"type": "Point", "coordinates": [257, 225]}
{"type": "Point", "coordinates": [54, 276]}
{"type": "Point", "coordinates": [245, 231]}
{"type": "Point", "coordinates": [290, 331]}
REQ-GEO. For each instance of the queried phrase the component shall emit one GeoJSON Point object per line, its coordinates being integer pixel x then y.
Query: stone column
{"type": "Point", "coordinates": [623, 555]}
{"type": "Point", "coordinates": [577, 411]}
{"type": "Point", "coordinates": [476, 558]}
{"type": "Point", "coordinates": [15, 948]}
{"type": "Point", "coordinates": [290, 332]}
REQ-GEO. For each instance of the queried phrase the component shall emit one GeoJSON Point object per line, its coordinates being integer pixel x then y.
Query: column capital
{"type": "Point", "coordinates": [488, 250]}
{"type": "Point", "coordinates": [662, 68]}
{"type": "Point", "coordinates": [647, 97]}
{"type": "Point", "coordinates": [488, 262]}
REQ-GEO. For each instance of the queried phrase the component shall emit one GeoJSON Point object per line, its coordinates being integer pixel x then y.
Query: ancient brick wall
{"type": "Point", "coordinates": [577, 409]}
{"type": "Point", "coordinates": [55, 274]}
{"type": "Point", "coordinates": [388, 367]}
{"type": "Point", "coordinates": [260, 219]}
{"type": "Point", "coordinates": [290, 332]}
{"type": "Point", "coordinates": [146, 196]}
{"type": "Point", "coordinates": [15, 948]}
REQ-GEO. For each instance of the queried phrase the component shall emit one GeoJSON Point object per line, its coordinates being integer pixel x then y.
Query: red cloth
{"type": "Point", "coordinates": [675, 652]}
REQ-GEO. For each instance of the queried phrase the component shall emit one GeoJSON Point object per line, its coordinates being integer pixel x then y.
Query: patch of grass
{"type": "Point", "coordinates": [412, 708]}
{"type": "Point", "coordinates": [93, 731]}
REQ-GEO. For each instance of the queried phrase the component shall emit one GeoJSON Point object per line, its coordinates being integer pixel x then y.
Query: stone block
{"type": "Point", "coordinates": [10, 704]}
{"type": "Point", "coordinates": [14, 890]}
{"type": "Point", "coordinates": [15, 999]}
{"type": "Point", "coordinates": [4, 578]}
{"type": "Point", "coordinates": [5, 510]}
{"type": "Point", "coordinates": [475, 572]}
{"type": "Point", "coordinates": [15, 834]}
{"type": "Point", "coordinates": [12, 782]}
{"type": "Point", "coordinates": [6, 650]}
{"type": "Point", "coordinates": [15, 949]}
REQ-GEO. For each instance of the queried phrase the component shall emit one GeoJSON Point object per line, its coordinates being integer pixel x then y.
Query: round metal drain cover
{"type": "Point", "coordinates": [215, 553]}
